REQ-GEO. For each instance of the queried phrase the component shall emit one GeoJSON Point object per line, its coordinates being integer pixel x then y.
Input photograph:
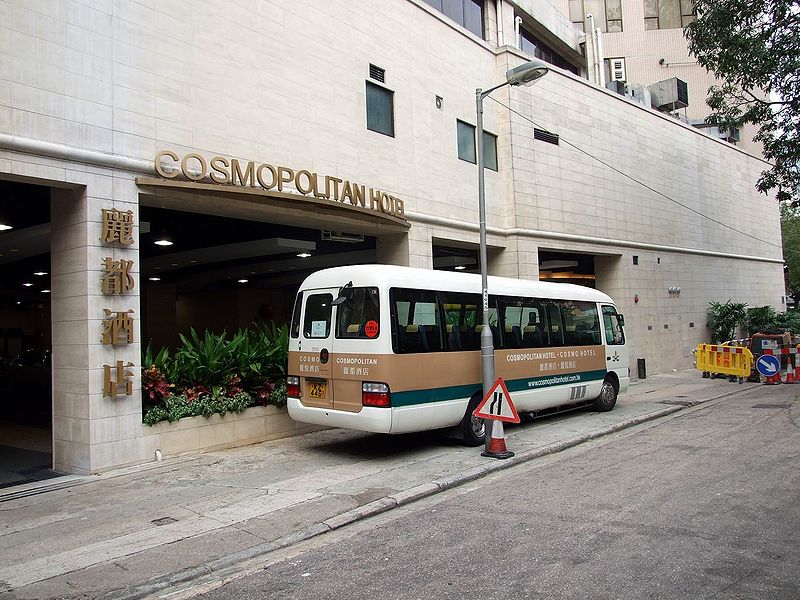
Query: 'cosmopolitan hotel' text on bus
{"type": "Point", "coordinates": [265, 140]}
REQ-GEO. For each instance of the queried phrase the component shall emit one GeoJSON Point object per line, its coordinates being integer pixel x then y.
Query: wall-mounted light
{"type": "Point", "coordinates": [674, 290]}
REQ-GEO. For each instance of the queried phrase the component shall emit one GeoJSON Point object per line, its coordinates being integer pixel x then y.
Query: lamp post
{"type": "Point", "coordinates": [524, 74]}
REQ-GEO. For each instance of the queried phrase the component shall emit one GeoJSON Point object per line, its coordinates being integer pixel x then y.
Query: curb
{"type": "Point", "coordinates": [384, 504]}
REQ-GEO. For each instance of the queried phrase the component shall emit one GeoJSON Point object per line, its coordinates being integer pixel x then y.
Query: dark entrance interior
{"type": "Point", "coordinates": [25, 342]}
{"type": "Point", "coordinates": [220, 273]}
{"type": "Point", "coordinates": [565, 267]}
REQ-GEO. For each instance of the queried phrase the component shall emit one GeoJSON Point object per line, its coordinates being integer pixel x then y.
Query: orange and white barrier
{"type": "Point", "coordinates": [790, 369]}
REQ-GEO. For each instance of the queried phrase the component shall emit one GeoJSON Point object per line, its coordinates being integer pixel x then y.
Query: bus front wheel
{"type": "Point", "coordinates": [473, 431]}
{"type": "Point", "coordinates": [608, 396]}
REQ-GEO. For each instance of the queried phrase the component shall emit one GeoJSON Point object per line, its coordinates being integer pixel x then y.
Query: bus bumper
{"type": "Point", "coordinates": [369, 418]}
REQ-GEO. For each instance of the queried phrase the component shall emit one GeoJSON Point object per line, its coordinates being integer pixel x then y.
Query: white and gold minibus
{"type": "Point", "coordinates": [392, 349]}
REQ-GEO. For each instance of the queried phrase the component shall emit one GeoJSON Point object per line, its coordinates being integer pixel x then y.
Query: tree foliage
{"type": "Point", "coordinates": [790, 230]}
{"type": "Point", "coordinates": [753, 48]}
{"type": "Point", "coordinates": [725, 318]}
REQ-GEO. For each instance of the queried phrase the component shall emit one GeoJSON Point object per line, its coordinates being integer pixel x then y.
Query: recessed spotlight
{"type": "Point", "coordinates": [243, 280]}
{"type": "Point", "coordinates": [173, 264]}
{"type": "Point", "coordinates": [45, 291]}
{"type": "Point", "coordinates": [27, 284]}
{"type": "Point", "coordinates": [163, 243]}
{"type": "Point", "coordinates": [40, 273]}
{"type": "Point", "coordinates": [460, 267]}
{"type": "Point", "coordinates": [154, 278]}
{"type": "Point", "coordinates": [158, 268]}
{"type": "Point", "coordinates": [303, 255]}
{"type": "Point", "coordinates": [4, 227]}
{"type": "Point", "coordinates": [18, 302]}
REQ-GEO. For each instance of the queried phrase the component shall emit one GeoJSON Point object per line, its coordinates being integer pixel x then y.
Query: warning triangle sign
{"type": "Point", "coordinates": [497, 404]}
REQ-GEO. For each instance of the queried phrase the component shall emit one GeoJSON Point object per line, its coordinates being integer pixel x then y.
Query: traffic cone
{"type": "Point", "coordinates": [790, 369]}
{"type": "Point", "coordinates": [497, 442]}
{"type": "Point", "coordinates": [796, 369]}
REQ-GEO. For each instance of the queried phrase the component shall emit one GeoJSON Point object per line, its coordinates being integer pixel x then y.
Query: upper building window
{"type": "Point", "coordinates": [530, 44]}
{"type": "Point", "coordinates": [380, 109]}
{"type": "Point", "coordinates": [668, 14]}
{"type": "Point", "coordinates": [607, 14]}
{"type": "Point", "coordinates": [467, 13]}
{"type": "Point", "coordinates": [466, 145]}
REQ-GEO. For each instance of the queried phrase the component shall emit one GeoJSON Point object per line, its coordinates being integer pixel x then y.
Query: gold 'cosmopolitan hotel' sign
{"type": "Point", "coordinates": [233, 172]}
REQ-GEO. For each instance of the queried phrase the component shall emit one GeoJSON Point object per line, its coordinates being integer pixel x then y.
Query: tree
{"type": "Point", "coordinates": [724, 319]}
{"type": "Point", "coordinates": [753, 48]}
{"type": "Point", "coordinates": [790, 229]}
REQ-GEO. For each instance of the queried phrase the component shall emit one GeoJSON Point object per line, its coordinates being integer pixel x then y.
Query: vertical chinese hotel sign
{"type": "Point", "coordinates": [117, 280]}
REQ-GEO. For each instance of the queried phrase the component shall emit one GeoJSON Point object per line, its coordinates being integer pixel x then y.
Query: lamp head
{"type": "Point", "coordinates": [527, 73]}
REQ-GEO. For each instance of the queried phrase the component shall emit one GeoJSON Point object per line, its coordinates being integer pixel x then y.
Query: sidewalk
{"type": "Point", "coordinates": [128, 533]}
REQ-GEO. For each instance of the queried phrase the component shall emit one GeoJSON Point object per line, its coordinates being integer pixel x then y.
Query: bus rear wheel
{"type": "Point", "coordinates": [608, 396]}
{"type": "Point", "coordinates": [473, 431]}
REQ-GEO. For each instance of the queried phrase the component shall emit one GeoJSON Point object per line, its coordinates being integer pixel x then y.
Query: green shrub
{"type": "Point", "coordinates": [723, 319]}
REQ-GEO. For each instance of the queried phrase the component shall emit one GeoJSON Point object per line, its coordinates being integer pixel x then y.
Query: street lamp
{"type": "Point", "coordinates": [524, 74]}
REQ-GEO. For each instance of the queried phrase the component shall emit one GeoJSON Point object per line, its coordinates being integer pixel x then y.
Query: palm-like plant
{"type": "Point", "coordinates": [724, 318]}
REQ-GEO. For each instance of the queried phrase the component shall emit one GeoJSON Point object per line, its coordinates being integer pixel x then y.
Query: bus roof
{"type": "Point", "coordinates": [386, 276]}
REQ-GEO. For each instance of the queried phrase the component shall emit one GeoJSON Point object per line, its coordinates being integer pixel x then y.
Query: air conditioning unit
{"type": "Point", "coordinates": [617, 69]}
{"type": "Point", "coordinates": [731, 135]}
{"type": "Point", "coordinates": [670, 94]}
{"type": "Point", "coordinates": [638, 93]}
{"type": "Point", "coordinates": [341, 236]}
{"type": "Point", "coordinates": [618, 87]}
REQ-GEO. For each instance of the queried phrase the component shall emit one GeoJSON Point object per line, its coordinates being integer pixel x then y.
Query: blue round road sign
{"type": "Point", "coordinates": [768, 365]}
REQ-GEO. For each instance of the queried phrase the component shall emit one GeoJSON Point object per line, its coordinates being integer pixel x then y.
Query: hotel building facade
{"type": "Point", "coordinates": [250, 132]}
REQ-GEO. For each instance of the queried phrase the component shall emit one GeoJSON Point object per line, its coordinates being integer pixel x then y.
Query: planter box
{"type": "Point", "coordinates": [199, 434]}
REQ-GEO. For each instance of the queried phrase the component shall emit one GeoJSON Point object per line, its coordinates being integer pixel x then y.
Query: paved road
{"type": "Point", "coordinates": [702, 504]}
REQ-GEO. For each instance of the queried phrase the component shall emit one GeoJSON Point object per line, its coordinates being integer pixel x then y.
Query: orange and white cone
{"type": "Point", "coordinates": [796, 368]}
{"type": "Point", "coordinates": [790, 369]}
{"type": "Point", "coordinates": [497, 441]}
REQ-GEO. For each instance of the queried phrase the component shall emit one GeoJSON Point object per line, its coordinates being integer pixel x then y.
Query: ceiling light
{"type": "Point", "coordinates": [40, 273]}
{"type": "Point", "coordinates": [18, 302]}
{"type": "Point", "coordinates": [27, 284]}
{"type": "Point", "coordinates": [154, 278]}
{"type": "Point", "coordinates": [459, 267]}
{"type": "Point", "coordinates": [304, 255]}
{"type": "Point", "coordinates": [243, 280]}
{"type": "Point", "coordinates": [4, 227]}
{"type": "Point", "coordinates": [45, 291]}
{"type": "Point", "coordinates": [164, 239]}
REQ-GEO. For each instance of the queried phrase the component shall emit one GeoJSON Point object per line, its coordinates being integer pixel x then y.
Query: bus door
{"type": "Point", "coordinates": [315, 348]}
{"type": "Point", "coordinates": [616, 349]}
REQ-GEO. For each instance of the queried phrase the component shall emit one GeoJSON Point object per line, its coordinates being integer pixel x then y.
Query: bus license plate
{"type": "Point", "coordinates": [317, 390]}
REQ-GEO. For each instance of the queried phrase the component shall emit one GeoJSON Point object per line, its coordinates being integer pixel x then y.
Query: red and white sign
{"type": "Point", "coordinates": [497, 404]}
{"type": "Point", "coordinates": [371, 328]}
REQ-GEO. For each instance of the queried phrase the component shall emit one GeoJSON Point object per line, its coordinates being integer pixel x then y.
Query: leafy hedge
{"type": "Point", "coordinates": [212, 374]}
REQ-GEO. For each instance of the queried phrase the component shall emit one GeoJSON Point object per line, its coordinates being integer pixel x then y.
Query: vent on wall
{"type": "Point", "coordinates": [617, 69]}
{"type": "Point", "coordinates": [545, 136]}
{"type": "Point", "coordinates": [377, 73]}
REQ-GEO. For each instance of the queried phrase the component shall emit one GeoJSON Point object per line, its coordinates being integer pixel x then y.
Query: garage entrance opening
{"type": "Point", "coordinates": [565, 267]}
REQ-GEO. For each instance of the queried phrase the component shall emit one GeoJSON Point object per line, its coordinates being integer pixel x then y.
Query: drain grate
{"type": "Point", "coordinates": [773, 405]}
{"type": "Point", "coordinates": [163, 521]}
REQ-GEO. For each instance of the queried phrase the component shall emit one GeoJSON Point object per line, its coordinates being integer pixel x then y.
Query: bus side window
{"type": "Point", "coordinates": [416, 321]}
{"type": "Point", "coordinates": [555, 329]}
{"type": "Point", "coordinates": [533, 332]}
{"type": "Point", "coordinates": [512, 322]}
{"type": "Point", "coordinates": [317, 323]}
{"type": "Point", "coordinates": [583, 317]}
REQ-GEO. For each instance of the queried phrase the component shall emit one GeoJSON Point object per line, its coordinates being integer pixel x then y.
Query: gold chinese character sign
{"type": "Point", "coordinates": [117, 329]}
{"type": "Point", "coordinates": [117, 226]}
{"type": "Point", "coordinates": [117, 278]}
{"type": "Point", "coordinates": [121, 377]}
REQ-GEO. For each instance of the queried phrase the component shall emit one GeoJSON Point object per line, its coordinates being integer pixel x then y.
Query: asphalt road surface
{"type": "Point", "coordinates": [702, 504]}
